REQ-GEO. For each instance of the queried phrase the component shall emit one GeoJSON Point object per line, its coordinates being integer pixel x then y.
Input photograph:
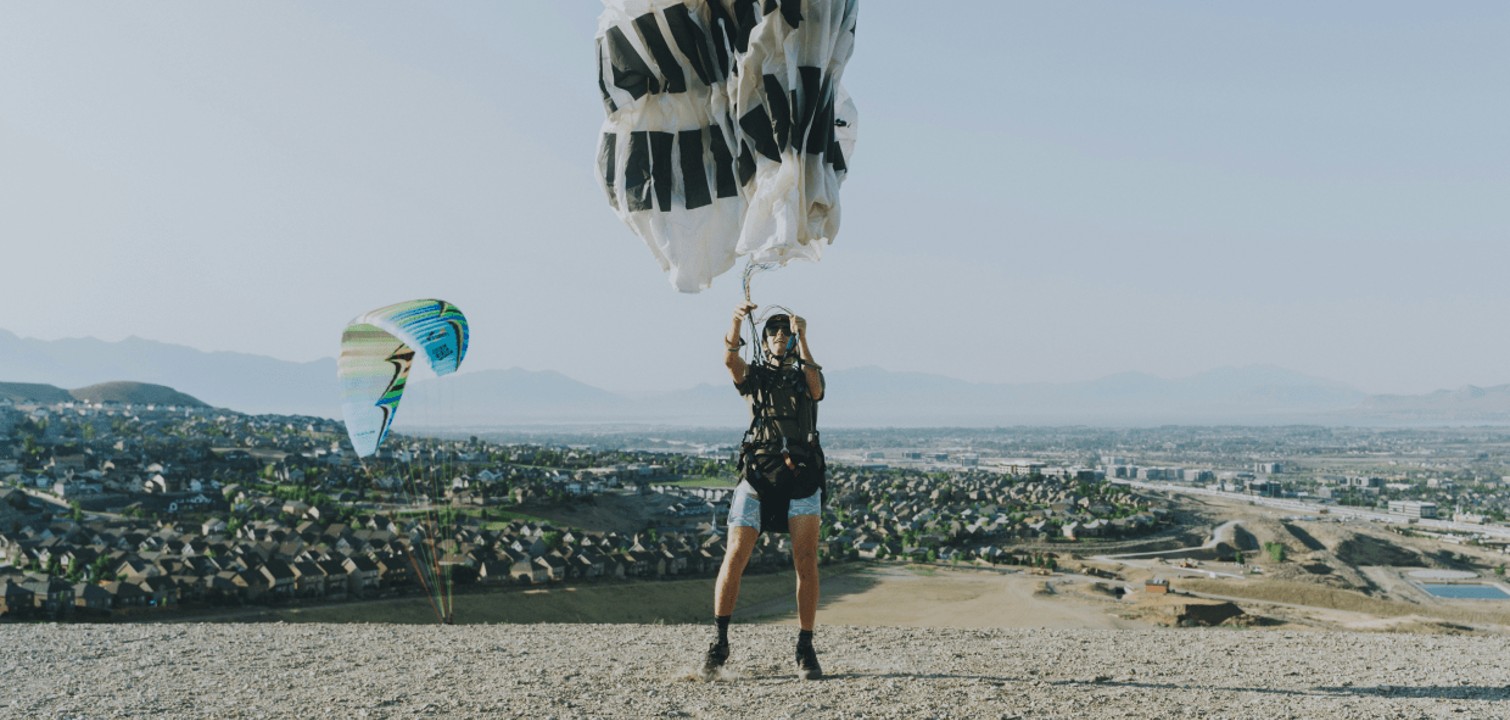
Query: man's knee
{"type": "Point", "coordinates": [741, 545]}
{"type": "Point", "coordinates": [736, 561]}
{"type": "Point", "coordinates": [805, 562]}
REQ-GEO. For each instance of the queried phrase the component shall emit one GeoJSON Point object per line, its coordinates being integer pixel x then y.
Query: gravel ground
{"type": "Point", "coordinates": [572, 671]}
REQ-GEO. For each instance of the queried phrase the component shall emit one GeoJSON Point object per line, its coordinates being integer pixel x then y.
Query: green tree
{"type": "Point", "coordinates": [99, 567]}
{"type": "Point", "coordinates": [1276, 551]}
{"type": "Point", "coordinates": [75, 510]}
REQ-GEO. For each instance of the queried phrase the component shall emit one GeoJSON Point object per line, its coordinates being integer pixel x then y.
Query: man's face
{"type": "Point", "coordinates": [776, 339]}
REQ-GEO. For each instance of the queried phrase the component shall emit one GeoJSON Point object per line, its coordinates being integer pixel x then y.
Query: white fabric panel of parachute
{"type": "Point", "coordinates": [728, 132]}
{"type": "Point", "coordinates": [377, 351]}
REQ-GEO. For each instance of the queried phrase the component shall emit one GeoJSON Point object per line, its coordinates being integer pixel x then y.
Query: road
{"type": "Point", "coordinates": [45, 497]}
{"type": "Point", "coordinates": [1310, 508]}
{"type": "Point", "coordinates": [1153, 561]}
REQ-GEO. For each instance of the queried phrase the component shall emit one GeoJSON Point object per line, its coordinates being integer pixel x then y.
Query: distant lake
{"type": "Point", "coordinates": [1466, 591]}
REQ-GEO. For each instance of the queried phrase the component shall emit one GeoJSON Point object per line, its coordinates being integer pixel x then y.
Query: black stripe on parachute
{"type": "Point", "coordinates": [809, 107]}
{"type": "Point", "coordinates": [757, 127]}
{"type": "Point", "coordinates": [671, 70]}
{"type": "Point", "coordinates": [781, 113]}
{"type": "Point", "coordinates": [747, 16]}
{"type": "Point", "coordinates": [835, 156]}
{"type": "Point", "coordinates": [662, 72]}
{"type": "Point", "coordinates": [605, 161]}
{"type": "Point", "coordinates": [791, 11]}
{"type": "Point", "coordinates": [692, 41]}
{"type": "Point", "coordinates": [694, 178]}
{"type": "Point", "coordinates": [803, 119]}
{"type": "Point", "coordinates": [723, 163]}
{"type": "Point", "coordinates": [722, 27]}
{"type": "Point", "coordinates": [746, 164]}
{"type": "Point", "coordinates": [650, 173]}
{"type": "Point", "coordinates": [637, 172]}
{"type": "Point", "coordinates": [608, 102]}
{"type": "Point", "coordinates": [630, 71]}
{"type": "Point", "coordinates": [662, 174]}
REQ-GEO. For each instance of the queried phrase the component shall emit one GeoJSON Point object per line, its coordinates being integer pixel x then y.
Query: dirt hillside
{"type": "Point", "coordinates": [637, 671]}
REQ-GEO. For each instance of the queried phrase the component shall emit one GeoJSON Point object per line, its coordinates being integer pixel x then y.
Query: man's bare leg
{"type": "Point", "coordinates": [805, 559]}
{"type": "Point", "coordinates": [726, 590]}
{"type": "Point", "coordinates": [726, 593]}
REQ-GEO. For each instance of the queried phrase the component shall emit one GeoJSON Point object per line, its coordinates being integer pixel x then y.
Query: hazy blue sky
{"type": "Point", "coordinates": [1047, 191]}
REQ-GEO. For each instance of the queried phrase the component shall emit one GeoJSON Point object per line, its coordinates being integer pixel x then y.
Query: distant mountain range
{"type": "Point", "coordinates": [857, 397]}
{"type": "Point", "coordinates": [248, 383]}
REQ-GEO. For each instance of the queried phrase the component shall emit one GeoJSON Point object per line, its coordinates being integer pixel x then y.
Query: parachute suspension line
{"type": "Point", "coordinates": [445, 515]}
{"type": "Point", "coordinates": [436, 472]}
{"type": "Point", "coordinates": [367, 472]}
{"type": "Point", "coordinates": [430, 526]}
{"type": "Point", "coordinates": [752, 268]}
{"type": "Point", "coordinates": [757, 353]}
{"type": "Point", "coordinates": [417, 484]}
{"type": "Point", "coordinates": [419, 573]}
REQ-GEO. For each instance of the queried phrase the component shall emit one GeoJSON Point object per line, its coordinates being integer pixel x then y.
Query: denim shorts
{"type": "Point", "coordinates": [744, 509]}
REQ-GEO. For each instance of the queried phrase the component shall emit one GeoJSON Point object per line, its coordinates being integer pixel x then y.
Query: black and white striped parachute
{"type": "Point", "coordinates": [727, 132]}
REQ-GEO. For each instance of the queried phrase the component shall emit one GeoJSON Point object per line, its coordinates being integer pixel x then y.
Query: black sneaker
{"type": "Point", "coordinates": [807, 663]}
{"type": "Point", "coordinates": [717, 654]}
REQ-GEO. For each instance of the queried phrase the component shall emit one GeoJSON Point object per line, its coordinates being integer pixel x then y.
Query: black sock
{"type": "Point", "coordinates": [804, 638]}
{"type": "Point", "coordinates": [723, 628]}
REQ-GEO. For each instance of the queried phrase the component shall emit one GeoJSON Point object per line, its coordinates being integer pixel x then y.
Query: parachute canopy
{"type": "Point", "coordinates": [727, 130]}
{"type": "Point", "coordinates": [377, 350]}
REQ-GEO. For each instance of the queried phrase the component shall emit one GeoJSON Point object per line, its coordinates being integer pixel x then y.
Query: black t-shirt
{"type": "Point", "coordinates": [780, 395]}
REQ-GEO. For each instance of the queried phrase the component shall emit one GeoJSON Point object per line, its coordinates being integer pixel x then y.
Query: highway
{"type": "Point", "coordinates": [1302, 507]}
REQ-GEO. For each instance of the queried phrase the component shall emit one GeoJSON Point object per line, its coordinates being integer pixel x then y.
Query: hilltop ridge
{"type": "Point", "coordinates": [126, 393]}
{"type": "Point", "coordinates": [622, 671]}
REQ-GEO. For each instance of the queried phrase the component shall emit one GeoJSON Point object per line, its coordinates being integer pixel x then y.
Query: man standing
{"type": "Point", "coordinates": [781, 474]}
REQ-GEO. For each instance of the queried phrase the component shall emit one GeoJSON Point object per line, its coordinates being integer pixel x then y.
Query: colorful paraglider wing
{"type": "Point", "coordinates": [377, 351]}
{"type": "Point", "coordinates": [720, 138]}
